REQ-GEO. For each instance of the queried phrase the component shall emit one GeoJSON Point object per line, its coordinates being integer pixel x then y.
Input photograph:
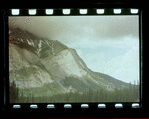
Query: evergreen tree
{"type": "Point", "coordinates": [134, 91]}
{"type": "Point", "coordinates": [22, 97]}
{"type": "Point", "coordinates": [130, 92]}
{"type": "Point", "coordinates": [138, 90]}
{"type": "Point", "coordinates": [121, 94]}
{"type": "Point", "coordinates": [32, 97]}
{"type": "Point", "coordinates": [101, 94]}
{"type": "Point", "coordinates": [90, 95]}
{"type": "Point", "coordinates": [13, 93]}
{"type": "Point", "coordinates": [115, 95]}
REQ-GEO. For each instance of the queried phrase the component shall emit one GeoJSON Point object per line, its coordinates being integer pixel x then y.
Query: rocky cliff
{"type": "Point", "coordinates": [47, 66]}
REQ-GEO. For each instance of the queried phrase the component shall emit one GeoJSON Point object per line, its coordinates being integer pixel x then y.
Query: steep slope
{"type": "Point", "coordinates": [24, 62]}
{"type": "Point", "coordinates": [63, 65]}
{"type": "Point", "coordinates": [49, 67]}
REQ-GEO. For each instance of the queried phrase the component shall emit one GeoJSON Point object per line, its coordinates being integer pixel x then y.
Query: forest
{"type": "Point", "coordinates": [131, 94]}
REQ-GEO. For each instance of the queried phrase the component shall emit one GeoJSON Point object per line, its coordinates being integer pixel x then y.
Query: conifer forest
{"type": "Point", "coordinates": [130, 94]}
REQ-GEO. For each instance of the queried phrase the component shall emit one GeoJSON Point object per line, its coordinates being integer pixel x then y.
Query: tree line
{"type": "Point", "coordinates": [130, 94]}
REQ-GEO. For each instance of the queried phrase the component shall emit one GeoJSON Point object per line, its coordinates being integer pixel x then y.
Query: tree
{"type": "Point", "coordinates": [101, 94]}
{"type": "Point", "coordinates": [120, 94]}
{"type": "Point", "coordinates": [130, 92]}
{"type": "Point", "coordinates": [115, 95]}
{"type": "Point", "coordinates": [134, 91]}
{"type": "Point", "coordinates": [90, 95]}
{"type": "Point", "coordinates": [13, 93]}
{"type": "Point", "coordinates": [32, 97]}
{"type": "Point", "coordinates": [137, 93]}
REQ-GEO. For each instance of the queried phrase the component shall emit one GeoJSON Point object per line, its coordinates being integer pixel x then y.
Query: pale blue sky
{"type": "Point", "coordinates": [119, 60]}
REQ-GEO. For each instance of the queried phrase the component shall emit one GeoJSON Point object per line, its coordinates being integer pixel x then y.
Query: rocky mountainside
{"type": "Point", "coordinates": [46, 66]}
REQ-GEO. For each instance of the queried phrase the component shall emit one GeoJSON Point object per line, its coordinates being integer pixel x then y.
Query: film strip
{"type": "Point", "coordinates": [75, 12]}
{"type": "Point", "coordinates": [76, 106]}
{"type": "Point", "coordinates": [36, 12]}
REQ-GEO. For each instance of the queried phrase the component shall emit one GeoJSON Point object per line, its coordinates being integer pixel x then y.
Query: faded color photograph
{"type": "Point", "coordinates": [58, 59]}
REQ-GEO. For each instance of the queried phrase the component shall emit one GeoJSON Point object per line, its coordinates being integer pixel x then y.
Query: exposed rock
{"type": "Point", "coordinates": [34, 63]}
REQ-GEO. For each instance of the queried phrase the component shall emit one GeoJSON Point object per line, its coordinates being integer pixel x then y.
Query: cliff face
{"type": "Point", "coordinates": [64, 65]}
{"type": "Point", "coordinates": [46, 64]}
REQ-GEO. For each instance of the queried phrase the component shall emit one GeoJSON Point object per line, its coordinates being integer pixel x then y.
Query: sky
{"type": "Point", "coordinates": [107, 44]}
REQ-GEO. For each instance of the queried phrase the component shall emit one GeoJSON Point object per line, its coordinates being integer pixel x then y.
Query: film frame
{"type": "Point", "coordinates": [73, 12]}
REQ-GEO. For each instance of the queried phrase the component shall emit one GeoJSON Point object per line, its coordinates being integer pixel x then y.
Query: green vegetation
{"type": "Point", "coordinates": [75, 83]}
{"type": "Point", "coordinates": [13, 93]}
{"type": "Point", "coordinates": [46, 89]}
{"type": "Point", "coordinates": [130, 94]}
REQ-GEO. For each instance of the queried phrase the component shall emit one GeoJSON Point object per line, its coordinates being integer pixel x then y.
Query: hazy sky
{"type": "Point", "coordinates": [107, 44]}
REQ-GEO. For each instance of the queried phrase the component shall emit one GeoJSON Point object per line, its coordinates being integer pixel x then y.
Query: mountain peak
{"type": "Point", "coordinates": [40, 62]}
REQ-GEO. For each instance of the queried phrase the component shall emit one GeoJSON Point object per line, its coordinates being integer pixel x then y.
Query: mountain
{"type": "Point", "coordinates": [48, 67]}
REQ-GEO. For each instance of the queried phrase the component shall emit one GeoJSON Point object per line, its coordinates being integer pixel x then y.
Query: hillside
{"type": "Point", "coordinates": [48, 67]}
